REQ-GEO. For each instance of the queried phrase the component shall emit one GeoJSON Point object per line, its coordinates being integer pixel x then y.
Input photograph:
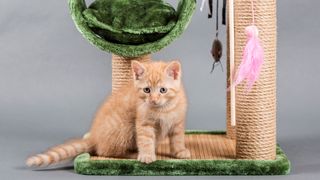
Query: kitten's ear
{"type": "Point", "coordinates": [173, 70]}
{"type": "Point", "coordinates": [137, 69]}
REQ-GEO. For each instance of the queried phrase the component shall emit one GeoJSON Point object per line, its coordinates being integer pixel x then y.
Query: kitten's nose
{"type": "Point", "coordinates": [154, 100]}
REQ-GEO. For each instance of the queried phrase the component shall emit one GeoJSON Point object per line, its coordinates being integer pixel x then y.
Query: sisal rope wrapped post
{"type": "Point", "coordinates": [121, 69]}
{"type": "Point", "coordinates": [231, 130]}
{"type": "Point", "coordinates": [256, 110]}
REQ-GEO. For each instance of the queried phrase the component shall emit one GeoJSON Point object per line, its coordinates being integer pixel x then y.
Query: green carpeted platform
{"type": "Point", "coordinates": [221, 166]}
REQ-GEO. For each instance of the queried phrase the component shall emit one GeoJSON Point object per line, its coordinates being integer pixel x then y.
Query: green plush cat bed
{"type": "Point", "coordinates": [212, 153]}
{"type": "Point", "coordinates": [131, 28]}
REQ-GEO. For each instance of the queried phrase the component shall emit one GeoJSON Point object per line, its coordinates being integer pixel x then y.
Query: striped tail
{"type": "Point", "coordinates": [59, 153]}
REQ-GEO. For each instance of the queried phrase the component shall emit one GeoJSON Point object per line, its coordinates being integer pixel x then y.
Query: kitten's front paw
{"type": "Point", "coordinates": [184, 154]}
{"type": "Point", "coordinates": [147, 158]}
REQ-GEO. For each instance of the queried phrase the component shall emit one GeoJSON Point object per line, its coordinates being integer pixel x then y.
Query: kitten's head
{"type": "Point", "coordinates": [157, 82]}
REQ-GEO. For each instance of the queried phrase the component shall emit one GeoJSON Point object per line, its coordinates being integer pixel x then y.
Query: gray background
{"type": "Point", "coordinates": [52, 81]}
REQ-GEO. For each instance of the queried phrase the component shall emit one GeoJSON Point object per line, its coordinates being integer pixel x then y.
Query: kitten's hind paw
{"type": "Point", "coordinates": [147, 158]}
{"type": "Point", "coordinates": [184, 154]}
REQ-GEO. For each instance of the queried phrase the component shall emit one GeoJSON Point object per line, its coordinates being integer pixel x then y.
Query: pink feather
{"type": "Point", "coordinates": [252, 59]}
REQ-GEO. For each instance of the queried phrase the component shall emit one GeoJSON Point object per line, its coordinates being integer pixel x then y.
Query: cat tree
{"type": "Point", "coordinates": [249, 148]}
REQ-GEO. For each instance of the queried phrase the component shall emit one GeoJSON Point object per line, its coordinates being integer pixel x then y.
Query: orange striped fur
{"type": "Point", "coordinates": [59, 153]}
{"type": "Point", "coordinates": [134, 119]}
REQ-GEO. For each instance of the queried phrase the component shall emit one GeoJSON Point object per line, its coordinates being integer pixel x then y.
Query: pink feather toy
{"type": "Point", "coordinates": [252, 57]}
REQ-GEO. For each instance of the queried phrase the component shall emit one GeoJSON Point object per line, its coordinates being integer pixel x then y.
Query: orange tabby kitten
{"type": "Point", "coordinates": [135, 118]}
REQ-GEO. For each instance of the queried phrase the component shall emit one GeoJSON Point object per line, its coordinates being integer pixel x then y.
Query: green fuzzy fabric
{"type": "Point", "coordinates": [130, 22]}
{"type": "Point", "coordinates": [176, 167]}
{"type": "Point", "coordinates": [131, 28]}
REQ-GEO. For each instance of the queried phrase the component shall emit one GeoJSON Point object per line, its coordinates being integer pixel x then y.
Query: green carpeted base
{"type": "Point", "coordinates": [175, 167]}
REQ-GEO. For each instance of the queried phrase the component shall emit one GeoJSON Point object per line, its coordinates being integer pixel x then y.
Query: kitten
{"type": "Point", "coordinates": [135, 118]}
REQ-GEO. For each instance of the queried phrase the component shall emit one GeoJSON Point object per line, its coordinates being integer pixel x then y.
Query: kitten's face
{"type": "Point", "coordinates": [157, 82]}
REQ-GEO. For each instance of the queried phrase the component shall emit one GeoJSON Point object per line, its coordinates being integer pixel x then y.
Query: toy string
{"type": "Point", "coordinates": [202, 5]}
{"type": "Point", "coordinates": [217, 19]}
{"type": "Point", "coordinates": [252, 10]}
{"type": "Point", "coordinates": [224, 12]}
{"type": "Point", "coordinates": [210, 8]}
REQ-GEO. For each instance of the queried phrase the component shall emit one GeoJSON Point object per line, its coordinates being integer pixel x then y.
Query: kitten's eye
{"type": "Point", "coordinates": [163, 90]}
{"type": "Point", "coordinates": [146, 90]}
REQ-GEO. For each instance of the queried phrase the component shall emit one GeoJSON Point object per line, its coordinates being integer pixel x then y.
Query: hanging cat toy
{"type": "Point", "coordinates": [216, 50]}
{"type": "Point", "coordinates": [253, 56]}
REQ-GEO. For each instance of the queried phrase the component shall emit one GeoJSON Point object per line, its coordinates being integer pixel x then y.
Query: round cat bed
{"type": "Point", "coordinates": [119, 27]}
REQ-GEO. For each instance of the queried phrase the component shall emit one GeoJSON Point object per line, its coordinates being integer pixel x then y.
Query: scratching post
{"type": "Point", "coordinates": [231, 130]}
{"type": "Point", "coordinates": [121, 69]}
{"type": "Point", "coordinates": [256, 110]}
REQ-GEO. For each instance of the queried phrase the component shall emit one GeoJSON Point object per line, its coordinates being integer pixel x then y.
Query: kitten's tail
{"type": "Point", "coordinates": [60, 153]}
